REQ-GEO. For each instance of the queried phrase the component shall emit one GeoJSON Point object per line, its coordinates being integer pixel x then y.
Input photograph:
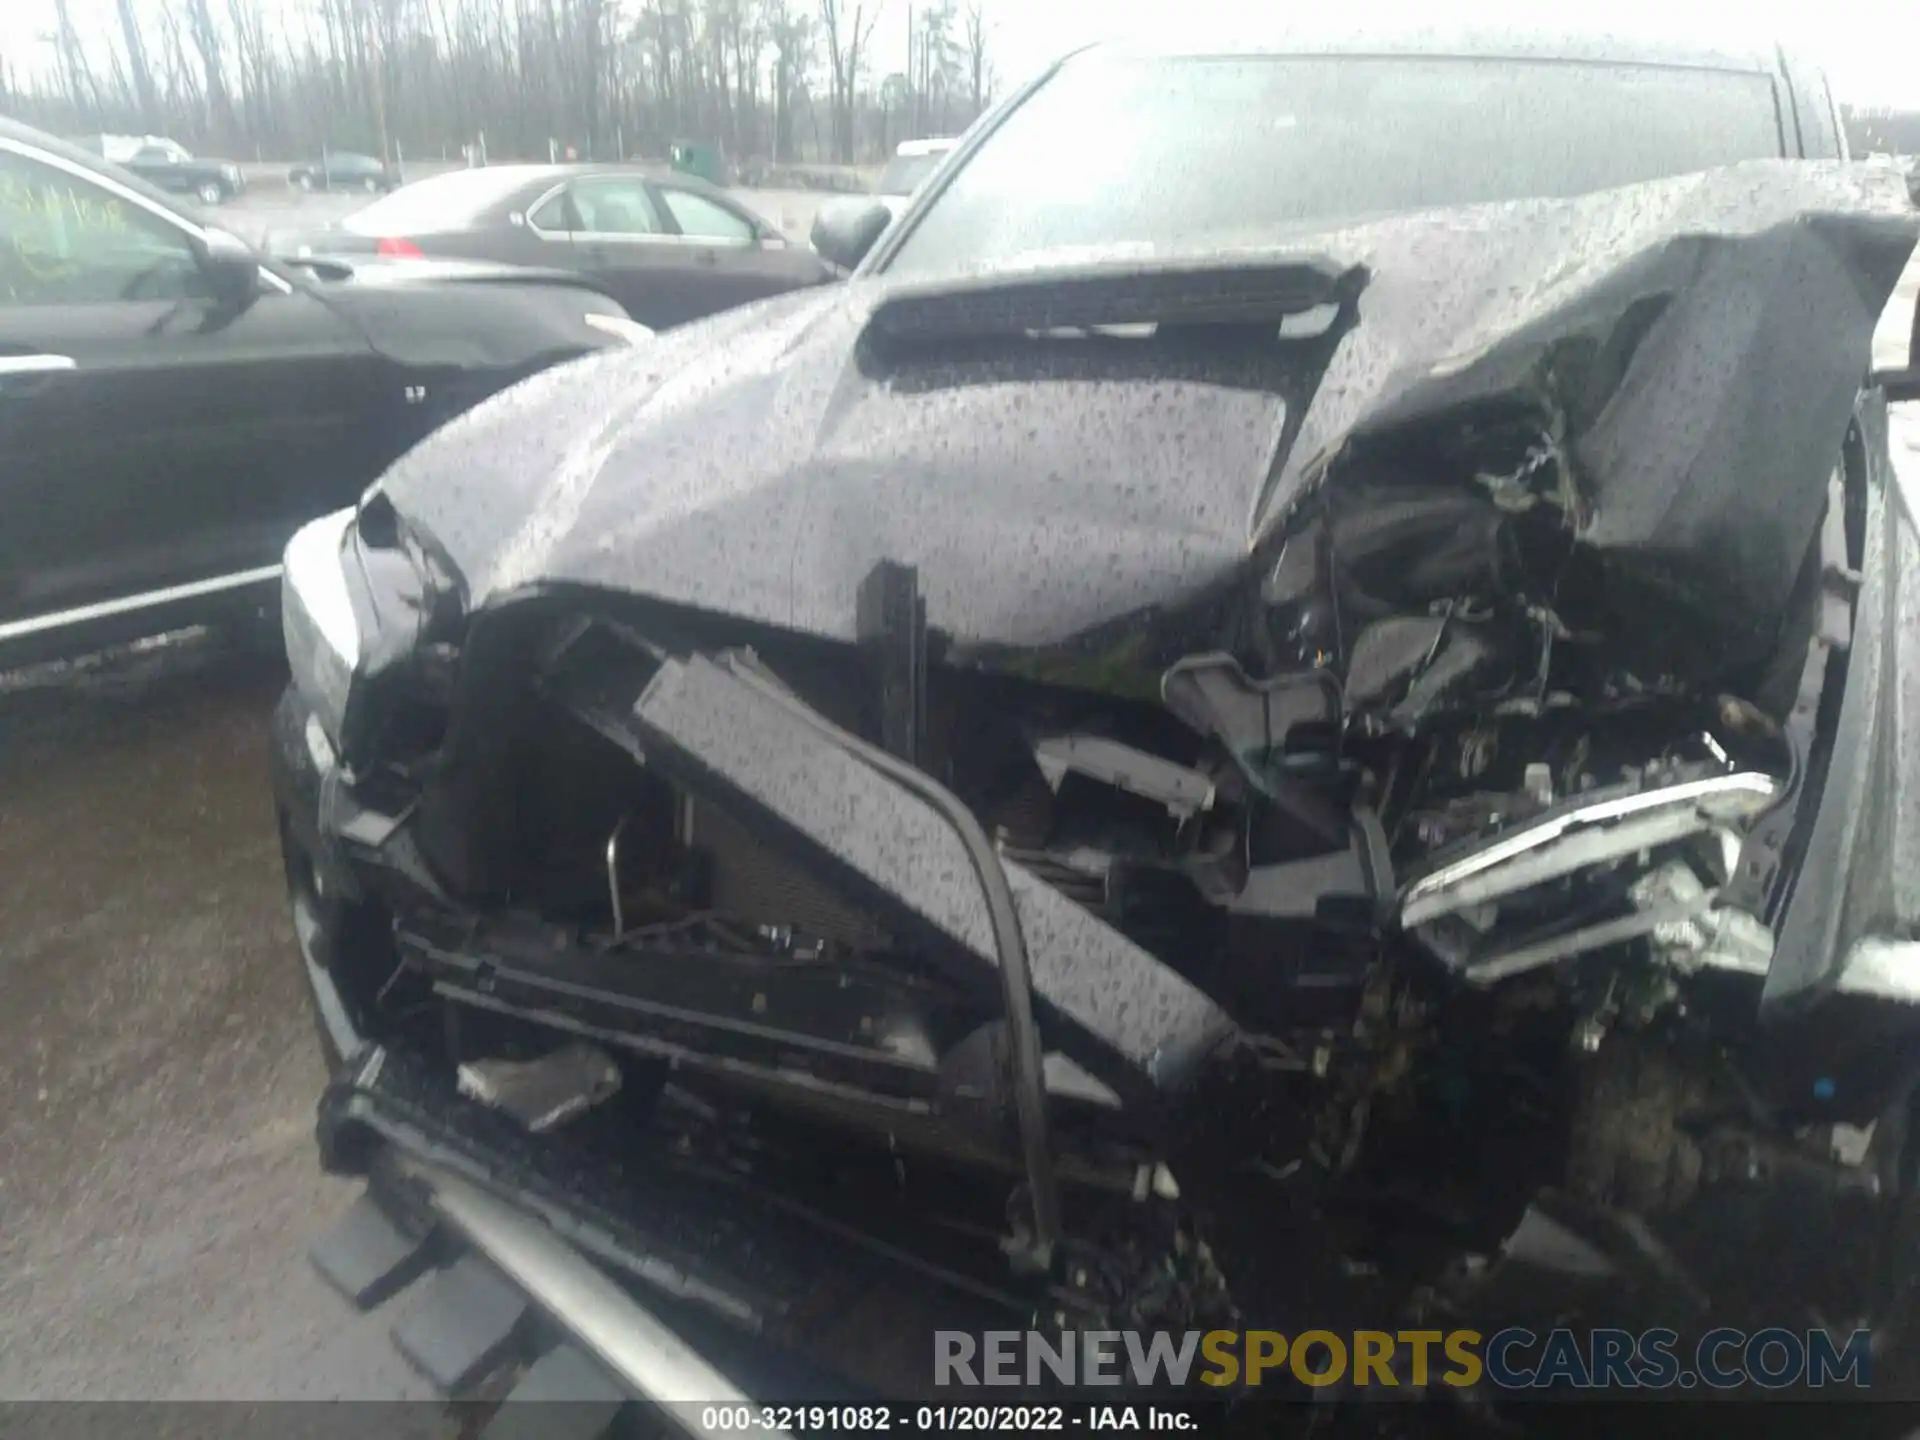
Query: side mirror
{"type": "Point", "coordinates": [844, 230]}
{"type": "Point", "coordinates": [1904, 384]}
{"type": "Point", "coordinates": [231, 268]}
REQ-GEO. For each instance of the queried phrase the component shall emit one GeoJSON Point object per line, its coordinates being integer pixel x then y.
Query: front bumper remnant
{"type": "Point", "coordinates": [468, 1273]}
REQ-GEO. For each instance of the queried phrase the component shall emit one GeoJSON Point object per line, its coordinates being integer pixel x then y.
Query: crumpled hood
{"type": "Point", "coordinates": [1698, 343]}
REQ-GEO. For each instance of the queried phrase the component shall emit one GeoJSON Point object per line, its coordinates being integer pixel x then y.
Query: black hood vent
{"type": "Point", "coordinates": [1228, 292]}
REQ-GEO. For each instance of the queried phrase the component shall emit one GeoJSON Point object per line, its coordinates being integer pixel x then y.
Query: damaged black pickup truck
{"type": "Point", "coordinates": [1314, 729]}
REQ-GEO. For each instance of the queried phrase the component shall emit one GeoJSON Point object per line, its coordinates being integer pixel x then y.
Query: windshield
{"type": "Point", "coordinates": [443, 202]}
{"type": "Point", "coordinates": [1180, 154]}
{"type": "Point", "coordinates": [904, 172]}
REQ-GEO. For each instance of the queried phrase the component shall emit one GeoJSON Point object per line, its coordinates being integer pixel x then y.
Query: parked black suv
{"type": "Point", "coordinates": [170, 167]}
{"type": "Point", "coordinates": [173, 405]}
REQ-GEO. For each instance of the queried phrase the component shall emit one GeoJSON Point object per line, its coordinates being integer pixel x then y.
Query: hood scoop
{"type": "Point", "coordinates": [1227, 292]}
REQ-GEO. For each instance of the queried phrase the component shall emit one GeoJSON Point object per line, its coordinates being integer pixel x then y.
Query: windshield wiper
{"type": "Point", "coordinates": [1230, 291]}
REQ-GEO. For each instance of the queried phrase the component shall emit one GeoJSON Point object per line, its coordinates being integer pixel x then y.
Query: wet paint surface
{"type": "Point", "coordinates": [1700, 340]}
{"type": "Point", "coordinates": [158, 1186]}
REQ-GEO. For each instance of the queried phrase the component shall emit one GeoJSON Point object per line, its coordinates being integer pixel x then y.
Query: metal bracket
{"type": "Point", "coordinates": [890, 620]}
{"type": "Point", "coordinates": [613, 877]}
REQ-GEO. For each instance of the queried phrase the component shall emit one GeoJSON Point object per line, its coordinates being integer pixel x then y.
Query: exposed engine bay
{"type": "Point", "coordinates": [1400, 951]}
{"type": "Point", "coordinates": [1397, 953]}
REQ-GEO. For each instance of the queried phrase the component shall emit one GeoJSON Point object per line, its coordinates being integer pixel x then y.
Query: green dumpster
{"type": "Point", "coordinates": [692, 157]}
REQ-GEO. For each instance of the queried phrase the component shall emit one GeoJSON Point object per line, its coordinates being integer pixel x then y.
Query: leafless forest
{"type": "Point", "coordinates": [771, 82]}
{"type": "Point", "coordinates": [768, 81]}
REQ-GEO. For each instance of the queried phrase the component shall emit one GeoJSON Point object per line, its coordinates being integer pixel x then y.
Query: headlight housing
{"type": "Point", "coordinates": [317, 619]}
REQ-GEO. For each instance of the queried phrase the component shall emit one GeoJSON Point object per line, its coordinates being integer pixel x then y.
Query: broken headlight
{"type": "Point", "coordinates": [317, 619]}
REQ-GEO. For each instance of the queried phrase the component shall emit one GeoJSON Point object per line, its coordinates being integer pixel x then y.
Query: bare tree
{"type": "Point", "coordinates": [792, 37]}
{"type": "Point", "coordinates": [896, 97]}
{"type": "Point", "coordinates": [846, 40]}
{"type": "Point", "coordinates": [590, 32]}
{"type": "Point", "coordinates": [207, 40]}
{"type": "Point", "coordinates": [937, 56]}
{"type": "Point", "coordinates": [979, 75]}
{"type": "Point", "coordinates": [74, 72]}
{"type": "Point", "coordinates": [255, 62]}
{"type": "Point", "coordinates": [182, 95]}
{"type": "Point", "coordinates": [137, 68]}
{"type": "Point", "coordinates": [784, 82]}
{"type": "Point", "coordinates": [378, 22]}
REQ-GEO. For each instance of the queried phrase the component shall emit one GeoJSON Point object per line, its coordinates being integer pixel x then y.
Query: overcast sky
{"type": "Point", "coordinates": [1871, 48]}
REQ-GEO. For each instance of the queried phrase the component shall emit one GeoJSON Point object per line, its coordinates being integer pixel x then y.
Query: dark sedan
{"type": "Point", "coordinates": [670, 248]}
{"type": "Point", "coordinates": [172, 407]}
{"type": "Point", "coordinates": [345, 170]}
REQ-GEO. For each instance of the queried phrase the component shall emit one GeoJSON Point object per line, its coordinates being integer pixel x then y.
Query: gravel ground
{"type": "Point", "coordinates": [157, 1178]}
